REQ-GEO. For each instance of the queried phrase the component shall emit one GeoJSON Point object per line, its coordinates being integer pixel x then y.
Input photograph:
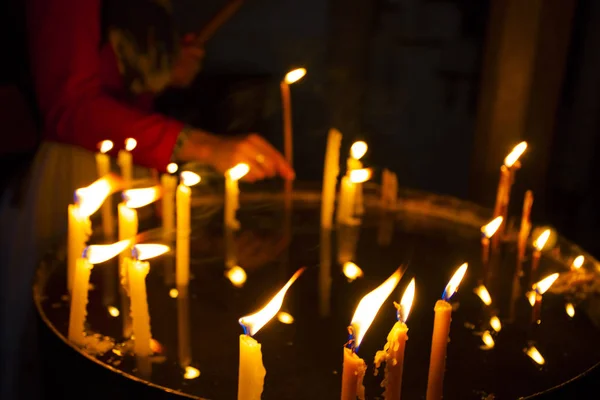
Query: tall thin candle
{"type": "Point", "coordinates": [169, 185]}
{"type": "Point", "coordinates": [183, 198]}
{"type": "Point", "coordinates": [232, 194]}
{"type": "Point", "coordinates": [103, 168]}
{"type": "Point", "coordinates": [331, 171]}
{"type": "Point", "coordinates": [125, 161]}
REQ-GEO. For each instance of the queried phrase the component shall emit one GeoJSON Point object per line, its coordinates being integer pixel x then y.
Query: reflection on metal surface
{"type": "Point", "coordinates": [230, 249]}
{"type": "Point", "coordinates": [535, 355]}
{"type": "Point", "coordinates": [347, 240]}
{"type": "Point", "coordinates": [183, 329]}
{"type": "Point", "coordinates": [325, 274]}
{"type": "Point", "coordinates": [237, 276]}
{"type": "Point", "coordinates": [173, 293]}
{"type": "Point", "coordinates": [113, 311]}
{"type": "Point", "coordinates": [191, 373]}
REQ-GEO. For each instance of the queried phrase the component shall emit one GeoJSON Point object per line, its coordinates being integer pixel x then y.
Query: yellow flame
{"type": "Point", "coordinates": [294, 75]}
{"type": "Point", "coordinates": [255, 321]}
{"type": "Point", "coordinates": [285, 318]}
{"type": "Point", "coordinates": [352, 271]}
{"type": "Point", "coordinates": [130, 144]}
{"type": "Point", "coordinates": [147, 251]}
{"type": "Point", "coordinates": [173, 293]}
{"type": "Point", "coordinates": [191, 373]}
{"type": "Point", "coordinates": [172, 168]}
{"type": "Point", "coordinates": [542, 286]}
{"type": "Point", "coordinates": [105, 146]}
{"type": "Point", "coordinates": [514, 155]}
{"type": "Point", "coordinates": [358, 149]}
{"type": "Point", "coordinates": [535, 355]}
{"type": "Point", "coordinates": [482, 292]}
{"type": "Point", "coordinates": [360, 175]}
{"type": "Point", "coordinates": [488, 340]}
{"type": "Point", "coordinates": [491, 228]}
{"type": "Point", "coordinates": [136, 198]}
{"type": "Point", "coordinates": [90, 198]}
{"type": "Point", "coordinates": [237, 276]}
{"type": "Point", "coordinates": [99, 253]}
{"type": "Point", "coordinates": [238, 172]}
{"type": "Point", "coordinates": [370, 305]}
{"type": "Point", "coordinates": [189, 178]}
{"type": "Point", "coordinates": [541, 240]}
{"type": "Point", "coordinates": [113, 311]}
{"type": "Point", "coordinates": [454, 282]}
{"type": "Point", "coordinates": [570, 309]}
{"type": "Point", "coordinates": [496, 324]}
{"type": "Point", "coordinates": [578, 262]}
{"type": "Point", "coordinates": [406, 301]}
{"type": "Point", "coordinates": [531, 297]}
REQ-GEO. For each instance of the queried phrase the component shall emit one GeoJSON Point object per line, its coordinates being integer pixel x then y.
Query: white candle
{"type": "Point", "coordinates": [183, 199]}
{"type": "Point", "coordinates": [79, 300]}
{"type": "Point", "coordinates": [128, 229]}
{"type": "Point", "coordinates": [137, 271]}
{"type": "Point", "coordinates": [169, 184]}
{"type": "Point", "coordinates": [232, 194]}
{"type": "Point", "coordinates": [103, 168]}
{"type": "Point", "coordinates": [79, 230]}
{"type": "Point", "coordinates": [331, 171]}
{"type": "Point", "coordinates": [125, 161]}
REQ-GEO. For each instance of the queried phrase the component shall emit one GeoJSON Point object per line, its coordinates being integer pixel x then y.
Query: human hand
{"type": "Point", "coordinates": [224, 153]}
{"type": "Point", "coordinates": [188, 63]}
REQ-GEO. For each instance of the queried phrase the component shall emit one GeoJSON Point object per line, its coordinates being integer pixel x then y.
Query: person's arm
{"type": "Point", "coordinates": [65, 58]}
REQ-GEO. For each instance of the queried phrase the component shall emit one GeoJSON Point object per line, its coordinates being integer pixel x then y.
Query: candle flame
{"type": "Point", "coordinates": [238, 172]}
{"type": "Point", "coordinates": [491, 228]}
{"type": "Point", "coordinates": [105, 146]}
{"type": "Point", "coordinates": [514, 155]}
{"type": "Point", "coordinates": [370, 304]}
{"type": "Point", "coordinates": [172, 168]}
{"type": "Point", "coordinates": [535, 355]}
{"type": "Point", "coordinates": [191, 373]}
{"type": "Point", "coordinates": [352, 271]}
{"type": "Point", "coordinates": [147, 251]}
{"type": "Point", "coordinates": [360, 175]}
{"type": "Point", "coordinates": [113, 311]}
{"type": "Point", "coordinates": [542, 286]}
{"type": "Point", "coordinates": [237, 276]}
{"type": "Point", "coordinates": [173, 293]}
{"type": "Point", "coordinates": [285, 318]}
{"type": "Point", "coordinates": [358, 149]}
{"type": "Point", "coordinates": [578, 262]}
{"type": "Point", "coordinates": [189, 178]}
{"type": "Point", "coordinates": [99, 253]}
{"type": "Point", "coordinates": [252, 323]}
{"type": "Point", "coordinates": [294, 75]}
{"type": "Point", "coordinates": [130, 144]}
{"type": "Point", "coordinates": [90, 198]}
{"type": "Point", "coordinates": [570, 309]}
{"type": "Point", "coordinates": [454, 282]}
{"type": "Point", "coordinates": [531, 297]}
{"type": "Point", "coordinates": [137, 198]}
{"type": "Point", "coordinates": [541, 240]}
{"type": "Point", "coordinates": [406, 301]}
{"type": "Point", "coordinates": [488, 340]}
{"type": "Point", "coordinates": [482, 292]}
{"type": "Point", "coordinates": [496, 324]}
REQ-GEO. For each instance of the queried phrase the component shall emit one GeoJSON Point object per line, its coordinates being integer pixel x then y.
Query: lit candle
{"type": "Point", "coordinates": [87, 201]}
{"type": "Point", "coordinates": [357, 151]}
{"type": "Point", "coordinates": [182, 256]}
{"type": "Point", "coordinates": [138, 268]}
{"type": "Point", "coordinates": [79, 296]}
{"type": "Point", "coordinates": [577, 263]}
{"type": "Point", "coordinates": [183, 328]}
{"type": "Point", "coordinates": [347, 197]}
{"type": "Point", "coordinates": [538, 289]}
{"type": "Point", "coordinates": [487, 231]}
{"type": "Point", "coordinates": [331, 171]}
{"type": "Point", "coordinates": [441, 333]}
{"type": "Point", "coordinates": [169, 184]}
{"type": "Point", "coordinates": [524, 229]}
{"type": "Point", "coordinates": [507, 171]}
{"type": "Point", "coordinates": [291, 77]}
{"type": "Point", "coordinates": [251, 369]}
{"type": "Point", "coordinates": [538, 246]}
{"type": "Point", "coordinates": [393, 352]}
{"type": "Point", "coordinates": [354, 367]}
{"type": "Point", "coordinates": [232, 194]}
{"type": "Point", "coordinates": [125, 161]}
{"type": "Point", "coordinates": [103, 168]}
{"type": "Point", "coordinates": [389, 190]}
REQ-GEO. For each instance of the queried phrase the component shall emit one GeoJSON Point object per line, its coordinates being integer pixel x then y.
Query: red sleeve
{"type": "Point", "coordinates": [65, 61]}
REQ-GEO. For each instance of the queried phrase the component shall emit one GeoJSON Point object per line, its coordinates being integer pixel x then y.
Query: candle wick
{"type": "Point", "coordinates": [351, 343]}
{"type": "Point", "coordinates": [245, 328]}
{"type": "Point", "coordinates": [398, 311]}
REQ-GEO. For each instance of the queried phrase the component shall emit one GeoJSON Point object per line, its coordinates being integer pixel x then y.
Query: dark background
{"type": "Point", "coordinates": [441, 90]}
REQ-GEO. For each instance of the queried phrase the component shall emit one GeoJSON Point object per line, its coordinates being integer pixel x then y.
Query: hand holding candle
{"type": "Point", "coordinates": [354, 367]}
{"type": "Point", "coordinates": [251, 369]}
{"type": "Point", "coordinates": [232, 194]}
{"type": "Point", "coordinates": [393, 352]}
{"type": "Point", "coordinates": [441, 332]}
